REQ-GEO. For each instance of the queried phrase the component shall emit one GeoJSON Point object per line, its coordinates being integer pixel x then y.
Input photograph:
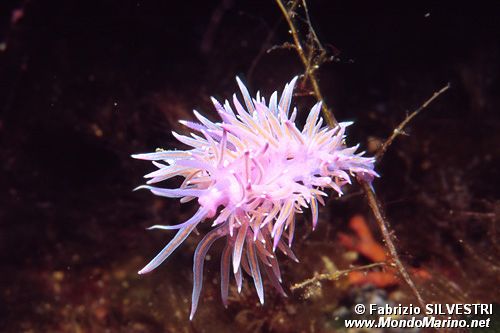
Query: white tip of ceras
{"type": "Point", "coordinates": [156, 226]}
{"type": "Point", "coordinates": [238, 80]}
{"type": "Point", "coordinates": [214, 100]}
{"type": "Point", "coordinates": [141, 187]}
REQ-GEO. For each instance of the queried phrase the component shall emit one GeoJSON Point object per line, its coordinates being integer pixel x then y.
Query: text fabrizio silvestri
{"type": "Point", "coordinates": [433, 309]}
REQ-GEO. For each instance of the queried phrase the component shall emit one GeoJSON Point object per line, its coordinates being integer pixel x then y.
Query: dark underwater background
{"type": "Point", "coordinates": [85, 84]}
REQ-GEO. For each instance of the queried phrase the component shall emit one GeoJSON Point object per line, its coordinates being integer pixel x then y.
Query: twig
{"type": "Point", "coordinates": [371, 197]}
{"type": "Point", "coordinates": [399, 130]}
{"type": "Point", "coordinates": [311, 28]}
{"type": "Point", "coordinates": [384, 226]}
{"type": "Point", "coordinates": [330, 119]}
{"type": "Point", "coordinates": [333, 276]}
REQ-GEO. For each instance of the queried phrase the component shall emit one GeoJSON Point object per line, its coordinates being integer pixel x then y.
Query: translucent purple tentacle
{"type": "Point", "coordinates": [287, 250]}
{"type": "Point", "coordinates": [275, 268]}
{"type": "Point", "coordinates": [238, 246]}
{"type": "Point", "coordinates": [172, 193]}
{"type": "Point", "coordinates": [274, 281]}
{"type": "Point", "coordinates": [286, 97]}
{"type": "Point", "coordinates": [238, 276]}
{"type": "Point", "coordinates": [194, 126]}
{"type": "Point", "coordinates": [245, 265]}
{"type": "Point", "coordinates": [314, 211]}
{"type": "Point", "coordinates": [254, 268]}
{"type": "Point", "coordinates": [246, 96]}
{"type": "Point", "coordinates": [162, 155]}
{"type": "Point", "coordinates": [181, 235]}
{"type": "Point", "coordinates": [199, 260]}
{"type": "Point", "coordinates": [225, 263]}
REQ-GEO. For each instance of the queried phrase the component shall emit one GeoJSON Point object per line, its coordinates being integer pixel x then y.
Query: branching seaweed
{"type": "Point", "coordinates": [316, 55]}
{"type": "Point", "coordinates": [334, 276]}
{"type": "Point", "coordinates": [312, 57]}
{"type": "Point", "coordinates": [400, 128]}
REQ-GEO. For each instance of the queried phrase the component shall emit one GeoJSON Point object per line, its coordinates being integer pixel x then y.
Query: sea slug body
{"type": "Point", "coordinates": [251, 174]}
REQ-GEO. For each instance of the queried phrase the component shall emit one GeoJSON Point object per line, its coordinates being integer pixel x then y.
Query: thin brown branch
{"type": "Point", "coordinates": [333, 276]}
{"type": "Point", "coordinates": [399, 130]}
{"type": "Point", "coordinates": [384, 226]}
{"type": "Point", "coordinates": [285, 45]}
{"type": "Point", "coordinates": [310, 68]}
{"type": "Point", "coordinates": [312, 31]}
